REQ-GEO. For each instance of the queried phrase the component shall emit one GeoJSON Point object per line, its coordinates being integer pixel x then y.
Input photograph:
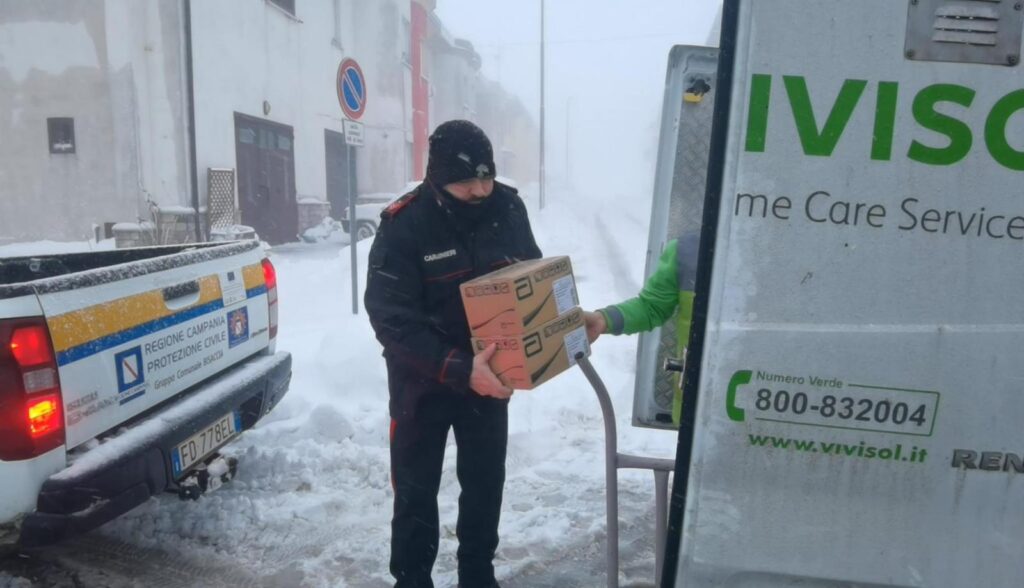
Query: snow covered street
{"type": "Point", "coordinates": [311, 505]}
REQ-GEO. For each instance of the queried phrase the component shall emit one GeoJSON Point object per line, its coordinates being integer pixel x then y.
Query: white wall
{"type": "Point", "coordinates": [148, 38]}
{"type": "Point", "coordinates": [251, 52]}
{"type": "Point", "coordinates": [115, 67]}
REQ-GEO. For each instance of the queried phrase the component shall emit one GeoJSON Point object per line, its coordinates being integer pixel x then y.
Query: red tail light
{"type": "Point", "coordinates": [31, 346]}
{"type": "Point", "coordinates": [269, 274]}
{"type": "Point", "coordinates": [31, 418]}
{"type": "Point", "coordinates": [44, 416]}
{"type": "Point", "coordinates": [270, 279]}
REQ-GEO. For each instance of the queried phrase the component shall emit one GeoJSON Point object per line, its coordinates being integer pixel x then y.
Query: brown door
{"type": "Point", "coordinates": [266, 178]}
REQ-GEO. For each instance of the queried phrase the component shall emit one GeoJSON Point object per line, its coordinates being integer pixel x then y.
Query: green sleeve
{"type": "Point", "coordinates": [655, 303]}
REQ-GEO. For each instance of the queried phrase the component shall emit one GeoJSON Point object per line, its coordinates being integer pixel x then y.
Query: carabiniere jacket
{"type": "Point", "coordinates": [427, 245]}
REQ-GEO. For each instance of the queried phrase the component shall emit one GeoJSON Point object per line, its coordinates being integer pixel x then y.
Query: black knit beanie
{"type": "Point", "coordinates": [459, 150]}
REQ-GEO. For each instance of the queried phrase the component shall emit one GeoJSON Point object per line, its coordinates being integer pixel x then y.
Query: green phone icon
{"type": "Point", "coordinates": [738, 379]}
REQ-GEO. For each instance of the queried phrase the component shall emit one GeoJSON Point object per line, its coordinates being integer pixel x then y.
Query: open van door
{"type": "Point", "coordinates": [676, 213]}
{"type": "Point", "coordinates": [854, 384]}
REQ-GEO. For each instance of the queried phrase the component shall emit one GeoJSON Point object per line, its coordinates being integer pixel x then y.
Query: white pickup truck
{"type": "Point", "coordinates": [121, 375]}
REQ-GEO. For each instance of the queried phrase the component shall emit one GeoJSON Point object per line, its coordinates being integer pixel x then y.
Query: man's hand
{"type": "Point", "coordinates": [482, 380]}
{"type": "Point", "coordinates": [596, 325]}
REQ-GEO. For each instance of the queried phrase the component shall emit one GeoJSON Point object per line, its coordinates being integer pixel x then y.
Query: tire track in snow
{"type": "Point", "coordinates": [584, 563]}
{"type": "Point", "coordinates": [618, 266]}
{"type": "Point", "coordinates": [95, 561]}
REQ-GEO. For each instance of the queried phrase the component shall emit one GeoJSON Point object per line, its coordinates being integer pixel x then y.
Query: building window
{"type": "Point", "coordinates": [247, 136]}
{"type": "Point", "coordinates": [285, 5]}
{"type": "Point", "coordinates": [62, 134]}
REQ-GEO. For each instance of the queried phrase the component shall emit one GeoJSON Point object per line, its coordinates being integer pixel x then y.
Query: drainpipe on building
{"type": "Point", "coordinates": [420, 95]}
{"type": "Point", "coordinates": [190, 90]}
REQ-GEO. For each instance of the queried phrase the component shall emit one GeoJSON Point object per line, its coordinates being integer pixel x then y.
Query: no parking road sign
{"type": "Point", "coordinates": [351, 86]}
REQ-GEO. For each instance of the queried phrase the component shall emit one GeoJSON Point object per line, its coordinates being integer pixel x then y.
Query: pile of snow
{"type": "Point", "coordinates": [127, 227]}
{"type": "Point", "coordinates": [329, 230]}
{"type": "Point", "coordinates": [232, 233]}
{"type": "Point", "coordinates": [54, 247]}
{"type": "Point", "coordinates": [176, 210]}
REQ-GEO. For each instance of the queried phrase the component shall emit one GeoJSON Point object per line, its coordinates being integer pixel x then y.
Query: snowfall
{"type": "Point", "coordinates": [311, 505]}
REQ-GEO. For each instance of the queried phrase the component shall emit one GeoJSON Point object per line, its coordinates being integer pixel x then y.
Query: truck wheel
{"type": "Point", "coordinates": [365, 230]}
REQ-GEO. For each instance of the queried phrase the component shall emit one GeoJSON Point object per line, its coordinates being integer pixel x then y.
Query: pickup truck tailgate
{"type": "Point", "coordinates": [130, 337]}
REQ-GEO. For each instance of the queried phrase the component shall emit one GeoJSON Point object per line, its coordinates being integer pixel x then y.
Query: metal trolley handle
{"type": "Point", "coordinates": [615, 461]}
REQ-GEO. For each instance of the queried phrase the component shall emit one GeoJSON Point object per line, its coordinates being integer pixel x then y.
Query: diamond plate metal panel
{"type": "Point", "coordinates": [677, 209]}
{"type": "Point", "coordinates": [686, 210]}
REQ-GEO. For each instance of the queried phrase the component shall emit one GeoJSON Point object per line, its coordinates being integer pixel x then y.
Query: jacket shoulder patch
{"type": "Point", "coordinates": [395, 207]}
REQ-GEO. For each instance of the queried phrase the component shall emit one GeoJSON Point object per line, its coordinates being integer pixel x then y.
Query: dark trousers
{"type": "Point", "coordinates": [417, 452]}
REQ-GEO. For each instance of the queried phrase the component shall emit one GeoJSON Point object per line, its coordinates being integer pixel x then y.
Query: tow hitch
{"type": "Point", "coordinates": [216, 472]}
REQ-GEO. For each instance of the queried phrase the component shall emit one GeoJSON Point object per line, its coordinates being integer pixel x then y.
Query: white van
{"type": "Point", "coordinates": [854, 384]}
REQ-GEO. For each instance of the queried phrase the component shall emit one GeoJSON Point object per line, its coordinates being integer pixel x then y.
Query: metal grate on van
{"type": "Point", "coordinates": [965, 31]}
{"type": "Point", "coordinates": [976, 24]}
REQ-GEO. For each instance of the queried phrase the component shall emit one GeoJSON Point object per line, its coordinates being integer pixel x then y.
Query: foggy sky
{"type": "Point", "coordinates": [605, 62]}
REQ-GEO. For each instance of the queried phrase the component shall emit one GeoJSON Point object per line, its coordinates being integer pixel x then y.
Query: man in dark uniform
{"type": "Point", "coordinates": [457, 225]}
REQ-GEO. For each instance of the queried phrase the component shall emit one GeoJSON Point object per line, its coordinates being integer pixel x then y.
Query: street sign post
{"type": "Point", "coordinates": [351, 89]}
{"type": "Point", "coordinates": [353, 133]}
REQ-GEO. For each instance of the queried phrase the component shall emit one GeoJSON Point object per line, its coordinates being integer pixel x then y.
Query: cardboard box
{"type": "Point", "coordinates": [519, 297]}
{"type": "Point", "coordinates": [527, 360]}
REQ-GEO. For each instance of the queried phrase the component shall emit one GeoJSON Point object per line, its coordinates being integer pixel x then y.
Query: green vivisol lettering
{"type": "Point", "coordinates": [821, 142]}
{"type": "Point", "coordinates": [995, 131]}
{"type": "Point", "coordinates": [757, 115]}
{"type": "Point", "coordinates": [960, 138]}
{"type": "Point", "coordinates": [885, 121]}
{"type": "Point", "coordinates": [758, 440]}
